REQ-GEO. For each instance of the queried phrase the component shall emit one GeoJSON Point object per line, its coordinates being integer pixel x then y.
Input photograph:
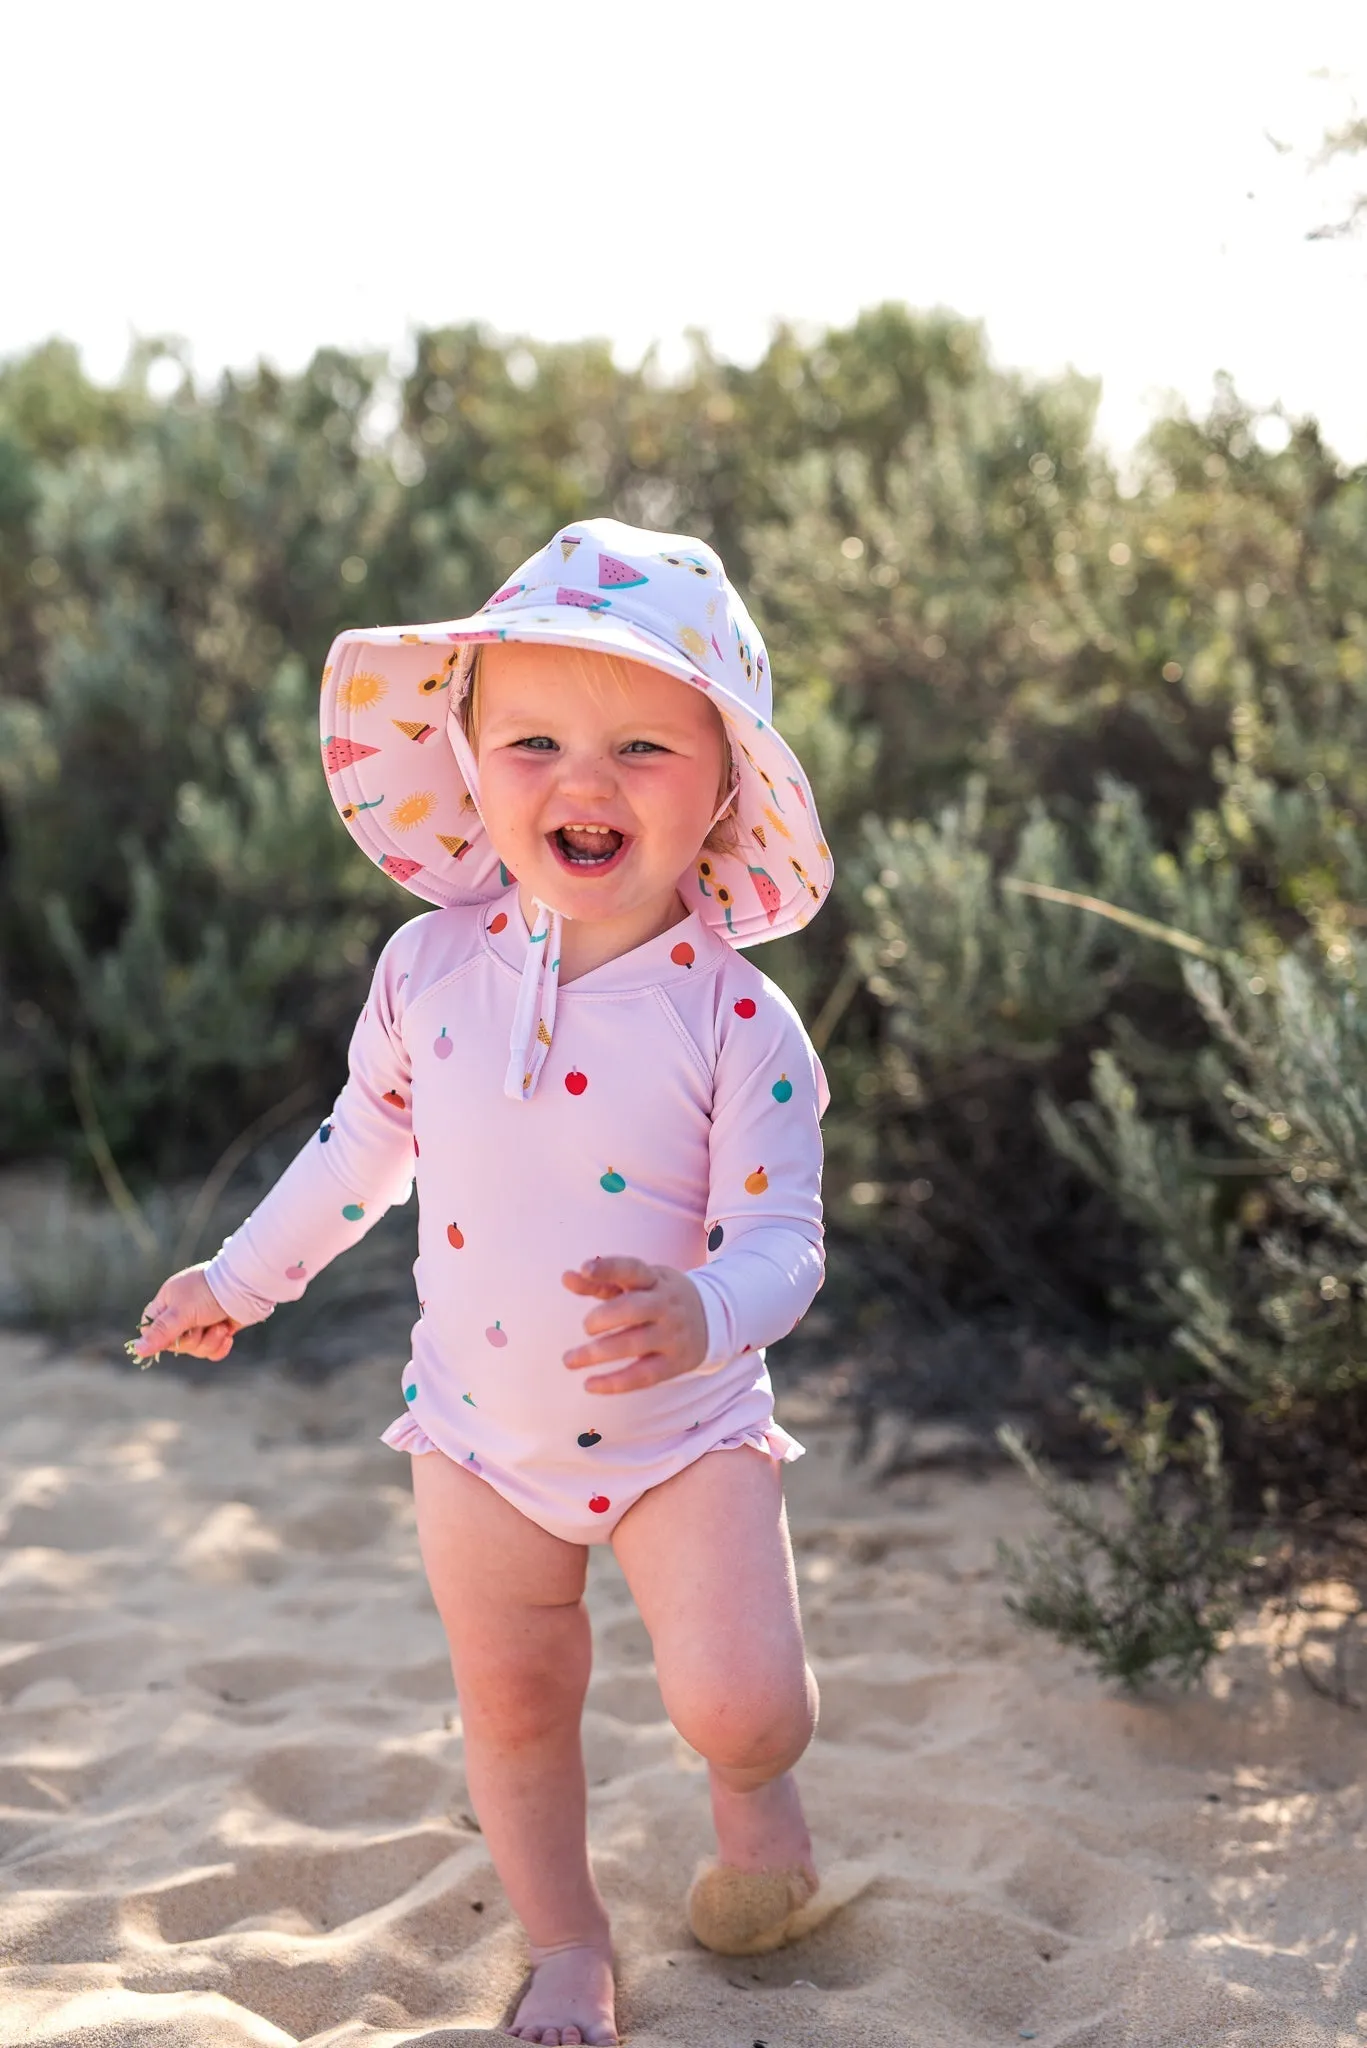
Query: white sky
{"type": "Point", "coordinates": [1094, 182]}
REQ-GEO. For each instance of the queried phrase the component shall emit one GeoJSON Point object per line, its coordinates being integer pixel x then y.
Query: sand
{"type": "Point", "coordinates": [232, 1807]}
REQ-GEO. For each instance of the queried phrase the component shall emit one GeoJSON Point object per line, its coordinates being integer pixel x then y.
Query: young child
{"type": "Point", "coordinates": [600, 1098]}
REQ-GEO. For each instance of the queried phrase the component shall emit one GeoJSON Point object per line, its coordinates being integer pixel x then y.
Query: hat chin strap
{"type": "Point", "coordinates": [534, 1016]}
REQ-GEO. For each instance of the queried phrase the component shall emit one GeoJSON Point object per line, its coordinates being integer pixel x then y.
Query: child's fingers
{"type": "Point", "coordinates": [628, 1341]}
{"type": "Point", "coordinates": [161, 1325]}
{"type": "Point", "coordinates": [606, 1277]}
{"type": "Point", "coordinates": [646, 1371]}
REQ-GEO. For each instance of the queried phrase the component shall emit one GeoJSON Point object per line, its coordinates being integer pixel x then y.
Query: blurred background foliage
{"type": "Point", "coordinates": [1064, 1146]}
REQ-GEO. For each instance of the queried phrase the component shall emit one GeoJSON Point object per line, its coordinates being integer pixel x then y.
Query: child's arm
{"type": "Point", "coordinates": [331, 1194]}
{"type": "Point", "coordinates": [764, 1221]}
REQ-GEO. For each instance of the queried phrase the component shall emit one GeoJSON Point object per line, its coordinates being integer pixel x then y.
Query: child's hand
{"type": "Point", "coordinates": [654, 1316]}
{"type": "Point", "coordinates": [183, 1316]}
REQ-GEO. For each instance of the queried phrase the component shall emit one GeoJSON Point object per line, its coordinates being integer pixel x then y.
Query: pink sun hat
{"type": "Point", "coordinates": [399, 767]}
{"type": "Point", "coordinates": [406, 782]}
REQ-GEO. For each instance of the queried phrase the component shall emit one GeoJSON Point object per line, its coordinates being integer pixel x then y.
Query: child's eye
{"type": "Point", "coordinates": [651, 746]}
{"type": "Point", "coordinates": [540, 741]}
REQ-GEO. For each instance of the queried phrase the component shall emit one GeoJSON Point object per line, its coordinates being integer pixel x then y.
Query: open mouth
{"type": "Point", "coordinates": [588, 849]}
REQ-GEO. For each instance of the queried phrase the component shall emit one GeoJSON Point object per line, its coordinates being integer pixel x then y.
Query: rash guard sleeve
{"type": "Point", "coordinates": [337, 1188]}
{"type": "Point", "coordinates": [764, 1233]}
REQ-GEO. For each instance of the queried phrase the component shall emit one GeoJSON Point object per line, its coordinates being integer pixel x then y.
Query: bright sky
{"type": "Point", "coordinates": [1096, 184]}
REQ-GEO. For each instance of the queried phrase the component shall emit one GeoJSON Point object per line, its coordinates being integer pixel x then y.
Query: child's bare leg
{"type": "Point", "coordinates": [510, 1597]}
{"type": "Point", "coordinates": [708, 1560]}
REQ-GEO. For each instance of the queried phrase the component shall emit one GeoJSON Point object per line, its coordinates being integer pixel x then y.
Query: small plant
{"type": "Point", "coordinates": [1147, 1593]}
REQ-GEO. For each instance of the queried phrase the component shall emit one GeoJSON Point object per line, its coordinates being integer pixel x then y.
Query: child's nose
{"type": "Point", "coordinates": [588, 773]}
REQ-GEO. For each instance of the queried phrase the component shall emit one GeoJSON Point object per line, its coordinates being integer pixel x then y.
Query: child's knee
{"type": "Point", "coordinates": [764, 1721]}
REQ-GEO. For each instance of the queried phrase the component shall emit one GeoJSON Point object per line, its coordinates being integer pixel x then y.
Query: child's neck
{"type": "Point", "coordinates": [589, 943]}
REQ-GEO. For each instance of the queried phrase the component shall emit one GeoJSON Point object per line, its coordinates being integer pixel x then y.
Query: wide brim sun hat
{"type": "Point", "coordinates": [404, 779]}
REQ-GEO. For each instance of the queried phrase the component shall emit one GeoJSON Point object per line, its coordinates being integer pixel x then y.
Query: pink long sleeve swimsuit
{"type": "Point", "coordinates": [677, 1119]}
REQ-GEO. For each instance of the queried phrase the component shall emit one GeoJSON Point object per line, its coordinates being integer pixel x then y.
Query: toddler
{"type": "Point", "coordinates": [600, 1099]}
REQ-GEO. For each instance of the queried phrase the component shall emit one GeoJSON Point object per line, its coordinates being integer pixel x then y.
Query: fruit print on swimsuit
{"type": "Point", "coordinates": [744, 1006]}
{"type": "Point", "coordinates": [716, 1237]}
{"type": "Point", "coordinates": [587, 1438]}
{"type": "Point", "coordinates": [325, 1132]}
{"type": "Point", "coordinates": [682, 955]}
{"type": "Point", "coordinates": [611, 1182]}
{"type": "Point", "coordinates": [576, 1082]}
{"type": "Point", "coordinates": [455, 1237]}
{"type": "Point", "coordinates": [496, 1335]}
{"type": "Point", "coordinates": [499, 923]}
{"type": "Point", "coordinates": [599, 1503]}
{"type": "Point", "coordinates": [298, 1271]}
{"type": "Point", "coordinates": [394, 1099]}
{"type": "Point", "coordinates": [410, 1393]}
{"type": "Point", "coordinates": [757, 1183]}
{"type": "Point", "coordinates": [442, 1046]}
{"type": "Point", "coordinates": [782, 1090]}
{"type": "Point", "coordinates": [354, 1211]}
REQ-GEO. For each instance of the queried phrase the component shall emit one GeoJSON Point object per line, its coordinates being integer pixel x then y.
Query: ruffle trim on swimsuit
{"type": "Point", "coordinates": [403, 1434]}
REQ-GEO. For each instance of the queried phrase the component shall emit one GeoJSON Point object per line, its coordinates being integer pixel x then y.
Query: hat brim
{"type": "Point", "coordinates": [412, 814]}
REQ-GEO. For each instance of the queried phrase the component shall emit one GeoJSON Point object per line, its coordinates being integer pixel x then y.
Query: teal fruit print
{"type": "Point", "coordinates": [471, 1399]}
{"type": "Point", "coordinates": [324, 1134]}
{"type": "Point", "coordinates": [410, 1393]}
{"type": "Point", "coordinates": [782, 1090]}
{"type": "Point", "coordinates": [611, 1182]}
{"type": "Point", "coordinates": [354, 1211]}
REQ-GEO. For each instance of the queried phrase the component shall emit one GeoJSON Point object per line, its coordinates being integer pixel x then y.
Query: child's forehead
{"type": "Point", "coordinates": [574, 680]}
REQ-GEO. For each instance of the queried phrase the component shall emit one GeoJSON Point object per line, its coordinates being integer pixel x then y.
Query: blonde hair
{"type": "Point", "coordinates": [589, 668]}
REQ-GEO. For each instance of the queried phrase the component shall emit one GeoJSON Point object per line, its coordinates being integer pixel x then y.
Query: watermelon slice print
{"type": "Point", "coordinates": [615, 575]}
{"type": "Point", "coordinates": [585, 598]}
{"type": "Point", "coordinates": [502, 596]}
{"type": "Point", "coordinates": [401, 870]}
{"type": "Point", "coordinates": [767, 890]}
{"type": "Point", "coordinates": [339, 754]}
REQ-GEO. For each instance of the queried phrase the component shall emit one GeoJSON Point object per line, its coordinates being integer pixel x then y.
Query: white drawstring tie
{"type": "Point", "coordinates": [534, 1017]}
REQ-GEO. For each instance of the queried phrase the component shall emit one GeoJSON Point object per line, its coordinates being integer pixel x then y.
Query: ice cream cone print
{"type": "Point", "coordinates": [414, 729]}
{"type": "Point", "coordinates": [457, 848]}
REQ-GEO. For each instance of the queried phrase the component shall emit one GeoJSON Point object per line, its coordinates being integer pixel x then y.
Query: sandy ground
{"type": "Point", "coordinates": [232, 1806]}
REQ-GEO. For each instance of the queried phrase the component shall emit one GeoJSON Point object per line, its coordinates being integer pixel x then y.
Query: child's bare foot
{"type": "Point", "coordinates": [763, 1829]}
{"type": "Point", "coordinates": [750, 1900]}
{"type": "Point", "coordinates": [569, 1999]}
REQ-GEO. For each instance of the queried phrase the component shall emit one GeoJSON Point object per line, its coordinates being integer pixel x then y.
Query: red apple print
{"type": "Point", "coordinates": [683, 955]}
{"type": "Point", "coordinates": [499, 923]}
{"type": "Point", "coordinates": [599, 1503]}
{"type": "Point", "coordinates": [576, 1082]}
{"type": "Point", "coordinates": [394, 1099]}
{"type": "Point", "coordinates": [745, 1007]}
{"type": "Point", "coordinates": [455, 1237]}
